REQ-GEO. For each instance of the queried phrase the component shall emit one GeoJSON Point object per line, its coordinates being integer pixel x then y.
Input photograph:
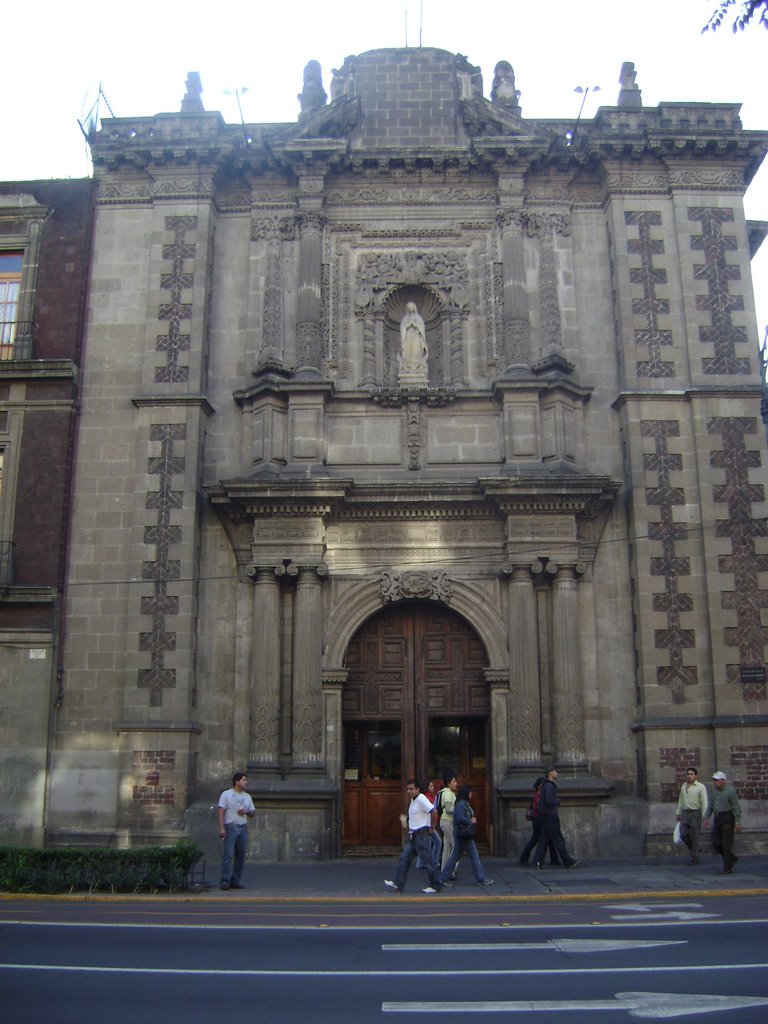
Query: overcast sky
{"type": "Point", "coordinates": [141, 53]}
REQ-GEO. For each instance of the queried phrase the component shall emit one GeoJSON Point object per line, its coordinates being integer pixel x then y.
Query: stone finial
{"type": "Point", "coordinates": [629, 94]}
{"type": "Point", "coordinates": [192, 102]}
{"type": "Point", "coordinates": [503, 91]}
{"type": "Point", "coordinates": [313, 96]}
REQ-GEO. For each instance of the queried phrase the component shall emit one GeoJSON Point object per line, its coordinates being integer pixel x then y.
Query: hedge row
{"type": "Point", "coordinates": [83, 869]}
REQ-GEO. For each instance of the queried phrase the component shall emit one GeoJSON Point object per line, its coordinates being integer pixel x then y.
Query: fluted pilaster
{"type": "Point", "coordinates": [525, 723]}
{"type": "Point", "coordinates": [265, 667]}
{"type": "Point", "coordinates": [307, 667]}
{"type": "Point", "coordinates": [568, 698]}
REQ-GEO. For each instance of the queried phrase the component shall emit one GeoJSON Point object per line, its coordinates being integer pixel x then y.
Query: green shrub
{"type": "Point", "coordinates": [79, 869]}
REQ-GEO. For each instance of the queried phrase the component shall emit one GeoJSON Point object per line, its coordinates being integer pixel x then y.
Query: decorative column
{"type": "Point", "coordinates": [458, 375]}
{"type": "Point", "coordinates": [307, 739]}
{"type": "Point", "coordinates": [525, 723]}
{"type": "Point", "coordinates": [272, 230]}
{"type": "Point", "coordinates": [370, 323]}
{"type": "Point", "coordinates": [517, 328]}
{"type": "Point", "coordinates": [568, 703]}
{"type": "Point", "coordinates": [264, 745]}
{"type": "Point", "coordinates": [309, 332]}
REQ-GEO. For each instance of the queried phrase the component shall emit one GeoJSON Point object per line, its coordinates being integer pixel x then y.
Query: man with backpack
{"type": "Point", "coordinates": [445, 806]}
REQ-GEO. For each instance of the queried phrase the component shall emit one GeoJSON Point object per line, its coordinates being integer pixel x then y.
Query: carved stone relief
{"type": "Point", "coordinates": [432, 586]}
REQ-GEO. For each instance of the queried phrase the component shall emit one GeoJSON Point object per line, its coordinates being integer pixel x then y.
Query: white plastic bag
{"type": "Point", "coordinates": [676, 837]}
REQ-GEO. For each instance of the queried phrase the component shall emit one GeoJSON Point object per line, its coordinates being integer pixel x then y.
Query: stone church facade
{"type": "Point", "coordinates": [415, 434]}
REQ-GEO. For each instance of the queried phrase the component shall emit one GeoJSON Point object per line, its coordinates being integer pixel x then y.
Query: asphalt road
{"type": "Point", "coordinates": [204, 962]}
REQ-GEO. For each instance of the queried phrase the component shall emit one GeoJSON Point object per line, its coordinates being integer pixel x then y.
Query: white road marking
{"type": "Point", "coordinates": [564, 945]}
{"type": "Point", "coordinates": [657, 911]}
{"type": "Point", "coordinates": [333, 972]}
{"type": "Point", "coordinates": [646, 1005]}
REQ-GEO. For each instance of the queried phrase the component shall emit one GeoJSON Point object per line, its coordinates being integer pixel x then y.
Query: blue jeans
{"type": "Point", "coordinates": [418, 843]}
{"type": "Point", "coordinates": [437, 851]}
{"type": "Point", "coordinates": [459, 846]}
{"type": "Point", "coordinates": [235, 847]}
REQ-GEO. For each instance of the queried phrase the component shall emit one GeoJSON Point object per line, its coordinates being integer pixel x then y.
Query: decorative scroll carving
{"type": "Point", "coordinates": [674, 602]}
{"type": "Point", "coordinates": [718, 273]}
{"type": "Point", "coordinates": [536, 223]}
{"type": "Point", "coordinates": [744, 532]}
{"type": "Point", "coordinates": [427, 586]}
{"type": "Point", "coordinates": [413, 414]}
{"type": "Point", "coordinates": [175, 311]}
{"type": "Point", "coordinates": [651, 306]}
{"type": "Point", "coordinates": [162, 570]}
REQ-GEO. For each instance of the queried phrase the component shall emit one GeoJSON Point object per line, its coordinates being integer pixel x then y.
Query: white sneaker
{"type": "Point", "coordinates": [430, 889]}
{"type": "Point", "coordinates": [390, 885]}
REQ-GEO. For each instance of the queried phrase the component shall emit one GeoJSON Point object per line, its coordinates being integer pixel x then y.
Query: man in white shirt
{"type": "Point", "coordinates": [235, 807]}
{"type": "Point", "coordinates": [419, 839]}
{"type": "Point", "coordinates": [691, 808]}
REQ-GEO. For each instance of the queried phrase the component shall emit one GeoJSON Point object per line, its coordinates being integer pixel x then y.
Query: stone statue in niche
{"type": "Point", "coordinates": [412, 361]}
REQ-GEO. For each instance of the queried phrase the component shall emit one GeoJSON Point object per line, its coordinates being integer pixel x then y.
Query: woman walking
{"type": "Point", "coordinates": [464, 821]}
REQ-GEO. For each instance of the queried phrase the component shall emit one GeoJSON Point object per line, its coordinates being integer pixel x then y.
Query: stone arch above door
{"type": "Point", "coordinates": [468, 600]}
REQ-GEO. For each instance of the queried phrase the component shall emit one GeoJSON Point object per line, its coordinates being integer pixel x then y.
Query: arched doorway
{"type": "Point", "coordinates": [415, 702]}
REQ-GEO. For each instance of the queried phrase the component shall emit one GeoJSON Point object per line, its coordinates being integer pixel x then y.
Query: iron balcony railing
{"type": "Point", "coordinates": [16, 339]}
{"type": "Point", "coordinates": [7, 563]}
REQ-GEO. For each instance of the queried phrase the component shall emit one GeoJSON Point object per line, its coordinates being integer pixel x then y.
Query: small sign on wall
{"type": "Point", "coordinates": [38, 653]}
{"type": "Point", "coordinates": [752, 673]}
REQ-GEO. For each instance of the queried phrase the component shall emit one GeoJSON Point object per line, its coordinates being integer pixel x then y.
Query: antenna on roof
{"type": "Point", "coordinates": [421, 19]}
{"type": "Point", "coordinates": [405, 12]}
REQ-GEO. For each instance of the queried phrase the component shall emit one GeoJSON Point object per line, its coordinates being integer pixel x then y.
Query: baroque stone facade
{"type": "Point", "coordinates": [295, 551]}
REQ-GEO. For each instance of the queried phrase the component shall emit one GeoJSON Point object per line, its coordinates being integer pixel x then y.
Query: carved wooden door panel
{"type": "Point", "coordinates": [411, 667]}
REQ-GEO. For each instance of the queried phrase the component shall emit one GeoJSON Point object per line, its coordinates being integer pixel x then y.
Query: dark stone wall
{"type": "Point", "coordinates": [45, 444]}
{"type": "Point", "coordinates": [409, 99]}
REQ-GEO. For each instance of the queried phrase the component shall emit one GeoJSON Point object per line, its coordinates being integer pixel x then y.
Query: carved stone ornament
{"type": "Point", "coordinates": [378, 273]}
{"type": "Point", "coordinates": [428, 586]}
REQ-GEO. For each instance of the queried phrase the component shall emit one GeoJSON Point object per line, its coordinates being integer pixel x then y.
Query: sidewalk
{"type": "Point", "coordinates": [363, 878]}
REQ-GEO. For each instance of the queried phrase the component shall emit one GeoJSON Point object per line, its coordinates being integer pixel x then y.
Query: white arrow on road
{"type": "Point", "coordinates": [564, 945]}
{"type": "Point", "coordinates": [657, 912]}
{"type": "Point", "coordinates": [645, 1005]}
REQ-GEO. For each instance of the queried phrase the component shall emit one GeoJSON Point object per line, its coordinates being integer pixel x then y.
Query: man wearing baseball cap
{"type": "Point", "coordinates": [724, 805]}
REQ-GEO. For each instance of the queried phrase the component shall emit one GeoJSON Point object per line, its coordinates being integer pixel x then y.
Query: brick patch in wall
{"type": "Point", "coordinates": [679, 758]}
{"type": "Point", "coordinates": [751, 763]}
{"type": "Point", "coordinates": [151, 763]}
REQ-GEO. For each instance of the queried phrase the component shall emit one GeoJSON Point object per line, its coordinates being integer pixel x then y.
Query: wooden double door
{"type": "Point", "coordinates": [415, 705]}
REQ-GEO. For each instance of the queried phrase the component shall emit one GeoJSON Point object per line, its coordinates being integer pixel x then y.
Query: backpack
{"type": "Point", "coordinates": [439, 803]}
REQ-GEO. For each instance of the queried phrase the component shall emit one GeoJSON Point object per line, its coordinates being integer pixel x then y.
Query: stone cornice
{"type": "Point", "coordinates": [158, 726]}
{"type": "Point", "coordinates": [655, 724]}
{"type": "Point", "coordinates": [27, 595]}
{"type": "Point", "coordinates": [37, 369]}
{"type": "Point", "coordinates": [200, 401]}
{"type": "Point", "coordinates": [736, 391]}
{"type": "Point", "coordinates": [551, 493]}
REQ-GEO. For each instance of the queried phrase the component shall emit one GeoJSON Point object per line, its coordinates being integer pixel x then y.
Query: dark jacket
{"type": "Point", "coordinates": [549, 801]}
{"type": "Point", "coordinates": [462, 815]}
